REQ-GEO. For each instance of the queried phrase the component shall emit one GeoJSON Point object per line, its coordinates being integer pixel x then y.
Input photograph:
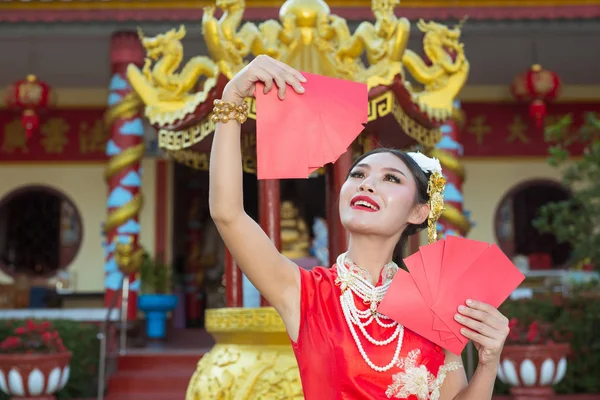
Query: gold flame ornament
{"type": "Point", "coordinates": [435, 189]}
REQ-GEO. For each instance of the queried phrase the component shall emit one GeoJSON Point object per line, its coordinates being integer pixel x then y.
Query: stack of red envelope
{"type": "Point", "coordinates": [302, 133]}
{"type": "Point", "coordinates": [441, 277]}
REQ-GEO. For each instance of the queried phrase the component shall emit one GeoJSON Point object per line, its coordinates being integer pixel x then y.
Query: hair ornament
{"type": "Point", "coordinates": [435, 189]}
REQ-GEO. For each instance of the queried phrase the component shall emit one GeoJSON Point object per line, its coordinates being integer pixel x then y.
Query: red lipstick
{"type": "Point", "coordinates": [364, 203]}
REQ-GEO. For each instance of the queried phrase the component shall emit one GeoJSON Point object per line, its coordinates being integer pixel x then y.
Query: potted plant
{"type": "Point", "coordinates": [155, 299]}
{"type": "Point", "coordinates": [532, 361]}
{"type": "Point", "coordinates": [34, 362]}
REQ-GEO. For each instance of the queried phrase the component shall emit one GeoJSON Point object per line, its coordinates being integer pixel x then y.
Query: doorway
{"type": "Point", "coordinates": [514, 223]}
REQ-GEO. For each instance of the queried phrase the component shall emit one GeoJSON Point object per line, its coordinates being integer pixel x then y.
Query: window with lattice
{"type": "Point", "coordinates": [514, 228]}
{"type": "Point", "coordinates": [40, 231]}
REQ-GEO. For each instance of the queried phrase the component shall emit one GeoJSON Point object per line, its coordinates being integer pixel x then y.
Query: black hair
{"type": "Point", "coordinates": [421, 197]}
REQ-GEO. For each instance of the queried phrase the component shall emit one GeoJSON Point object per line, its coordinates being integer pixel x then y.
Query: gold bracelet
{"type": "Point", "coordinates": [225, 111]}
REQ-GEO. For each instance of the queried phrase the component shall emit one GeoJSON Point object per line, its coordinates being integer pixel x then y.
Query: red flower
{"type": "Point", "coordinates": [10, 343]}
{"type": "Point", "coordinates": [534, 330]}
{"type": "Point", "coordinates": [531, 332]}
{"type": "Point", "coordinates": [31, 326]}
{"type": "Point", "coordinates": [47, 337]}
{"type": "Point", "coordinates": [20, 330]}
{"type": "Point", "coordinates": [33, 337]}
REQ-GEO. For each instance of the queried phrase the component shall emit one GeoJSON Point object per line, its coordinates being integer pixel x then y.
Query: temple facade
{"type": "Point", "coordinates": [120, 182]}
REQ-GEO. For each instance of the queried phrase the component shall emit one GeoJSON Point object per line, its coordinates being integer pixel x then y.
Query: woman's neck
{"type": "Point", "coordinates": [371, 253]}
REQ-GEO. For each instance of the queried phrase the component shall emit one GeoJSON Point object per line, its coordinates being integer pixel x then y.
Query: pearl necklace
{"type": "Point", "coordinates": [352, 284]}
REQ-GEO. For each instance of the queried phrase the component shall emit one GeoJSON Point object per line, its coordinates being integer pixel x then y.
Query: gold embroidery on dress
{"type": "Point", "coordinates": [416, 380]}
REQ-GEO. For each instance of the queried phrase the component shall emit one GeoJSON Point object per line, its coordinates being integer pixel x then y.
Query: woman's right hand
{"type": "Point", "coordinates": [267, 70]}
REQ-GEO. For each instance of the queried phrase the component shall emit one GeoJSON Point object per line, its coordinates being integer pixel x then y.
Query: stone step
{"type": "Point", "coordinates": [153, 362]}
{"type": "Point", "coordinates": [137, 382]}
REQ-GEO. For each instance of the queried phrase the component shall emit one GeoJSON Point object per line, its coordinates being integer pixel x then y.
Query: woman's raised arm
{"type": "Point", "coordinates": [276, 277]}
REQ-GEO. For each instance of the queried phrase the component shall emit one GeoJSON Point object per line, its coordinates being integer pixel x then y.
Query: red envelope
{"type": "Point", "coordinates": [302, 133]}
{"type": "Point", "coordinates": [404, 304]}
{"type": "Point", "coordinates": [459, 254]}
{"type": "Point", "coordinates": [490, 279]}
{"type": "Point", "coordinates": [432, 256]}
{"type": "Point", "coordinates": [438, 273]}
{"type": "Point", "coordinates": [414, 263]}
{"type": "Point", "coordinates": [279, 151]}
{"type": "Point", "coordinates": [432, 262]}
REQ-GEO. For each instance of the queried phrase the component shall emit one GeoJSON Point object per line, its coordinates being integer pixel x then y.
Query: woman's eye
{"type": "Point", "coordinates": [357, 174]}
{"type": "Point", "coordinates": [391, 178]}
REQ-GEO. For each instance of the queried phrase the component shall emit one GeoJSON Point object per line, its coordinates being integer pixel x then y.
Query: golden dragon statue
{"type": "Point", "coordinates": [384, 44]}
{"type": "Point", "coordinates": [447, 72]}
{"type": "Point", "coordinates": [229, 45]}
{"type": "Point", "coordinates": [169, 95]}
{"type": "Point", "coordinates": [310, 39]}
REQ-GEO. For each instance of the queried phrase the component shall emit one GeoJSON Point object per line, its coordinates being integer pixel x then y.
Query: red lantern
{"type": "Point", "coordinates": [29, 96]}
{"type": "Point", "coordinates": [537, 86]}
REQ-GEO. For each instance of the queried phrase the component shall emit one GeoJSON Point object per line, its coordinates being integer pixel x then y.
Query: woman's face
{"type": "Point", "coordinates": [378, 198]}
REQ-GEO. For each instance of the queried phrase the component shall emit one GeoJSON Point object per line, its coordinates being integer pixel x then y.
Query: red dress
{"type": "Point", "coordinates": [331, 367]}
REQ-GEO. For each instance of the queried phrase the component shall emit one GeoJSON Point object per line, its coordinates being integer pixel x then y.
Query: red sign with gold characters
{"type": "Point", "coordinates": [64, 135]}
{"type": "Point", "coordinates": [491, 130]}
{"type": "Point", "coordinates": [507, 130]}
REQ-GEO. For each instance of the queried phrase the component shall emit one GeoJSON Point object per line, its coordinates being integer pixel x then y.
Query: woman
{"type": "Point", "coordinates": [343, 350]}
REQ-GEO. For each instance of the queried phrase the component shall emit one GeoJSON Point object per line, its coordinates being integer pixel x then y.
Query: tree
{"type": "Point", "coordinates": [577, 220]}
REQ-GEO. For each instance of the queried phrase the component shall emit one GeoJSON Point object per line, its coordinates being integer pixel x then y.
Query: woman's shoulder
{"type": "Point", "coordinates": [317, 278]}
{"type": "Point", "coordinates": [319, 274]}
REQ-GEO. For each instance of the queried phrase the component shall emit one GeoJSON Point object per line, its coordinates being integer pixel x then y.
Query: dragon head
{"type": "Point", "coordinates": [384, 6]}
{"type": "Point", "coordinates": [441, 37]}
{"type": "Point", "coordinates": [155, 46]}
{"type": "Point", "coordinates": [384, 15]}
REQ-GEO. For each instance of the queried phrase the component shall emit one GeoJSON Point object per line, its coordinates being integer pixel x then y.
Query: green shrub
{"type": "Point", "coordinates": [574, 220]}
{"type": "Point", "coordinates": [154, 276]}
{"type": "Point", "coordinates": [82, 341]}
{"type": "Point", "coordinates": [577, 321]}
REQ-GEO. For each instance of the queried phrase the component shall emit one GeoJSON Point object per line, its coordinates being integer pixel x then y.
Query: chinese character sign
{"type": "Point", "coordinates": [506, 130]}
{"type": "Point", "coordinates": [64, 135]}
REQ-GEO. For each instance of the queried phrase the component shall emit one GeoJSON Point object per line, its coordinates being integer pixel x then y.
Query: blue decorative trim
{"type": "Point", "coordinates": [447, 143]}
{"type": "Point", "coordinates": [135, 285]}
{"type": "Point", "coordinates": [110, 247]}
{"type": "Point", "coordinates": [132, 179]}
{"type": "Point", "coordinates": [112, 149]}
{"type": "Point", "coordinates": [119, 197]}
{"type": "Point", "coordinates": [131, 227]}
{"type": "Point", "coordinates": [445, 129]}
{"type": "Point", "coordinates": [113, 280]}
{"type": "Point", "coordinates": [452, 194]}
{"type": "Point", "coordinates": [251, 296]}
{"type": "Point", "coordinates": [111, 266]}
{"type": "Point", "coordinates": [113, 98]}
{"type": "Point", "coordinates": [134, 127]}
{"type": "Point", "coordinates": [117, 83]}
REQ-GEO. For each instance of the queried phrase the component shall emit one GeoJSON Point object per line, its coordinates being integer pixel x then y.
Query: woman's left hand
{"type": "Point", "coordinates": [486, 327]}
